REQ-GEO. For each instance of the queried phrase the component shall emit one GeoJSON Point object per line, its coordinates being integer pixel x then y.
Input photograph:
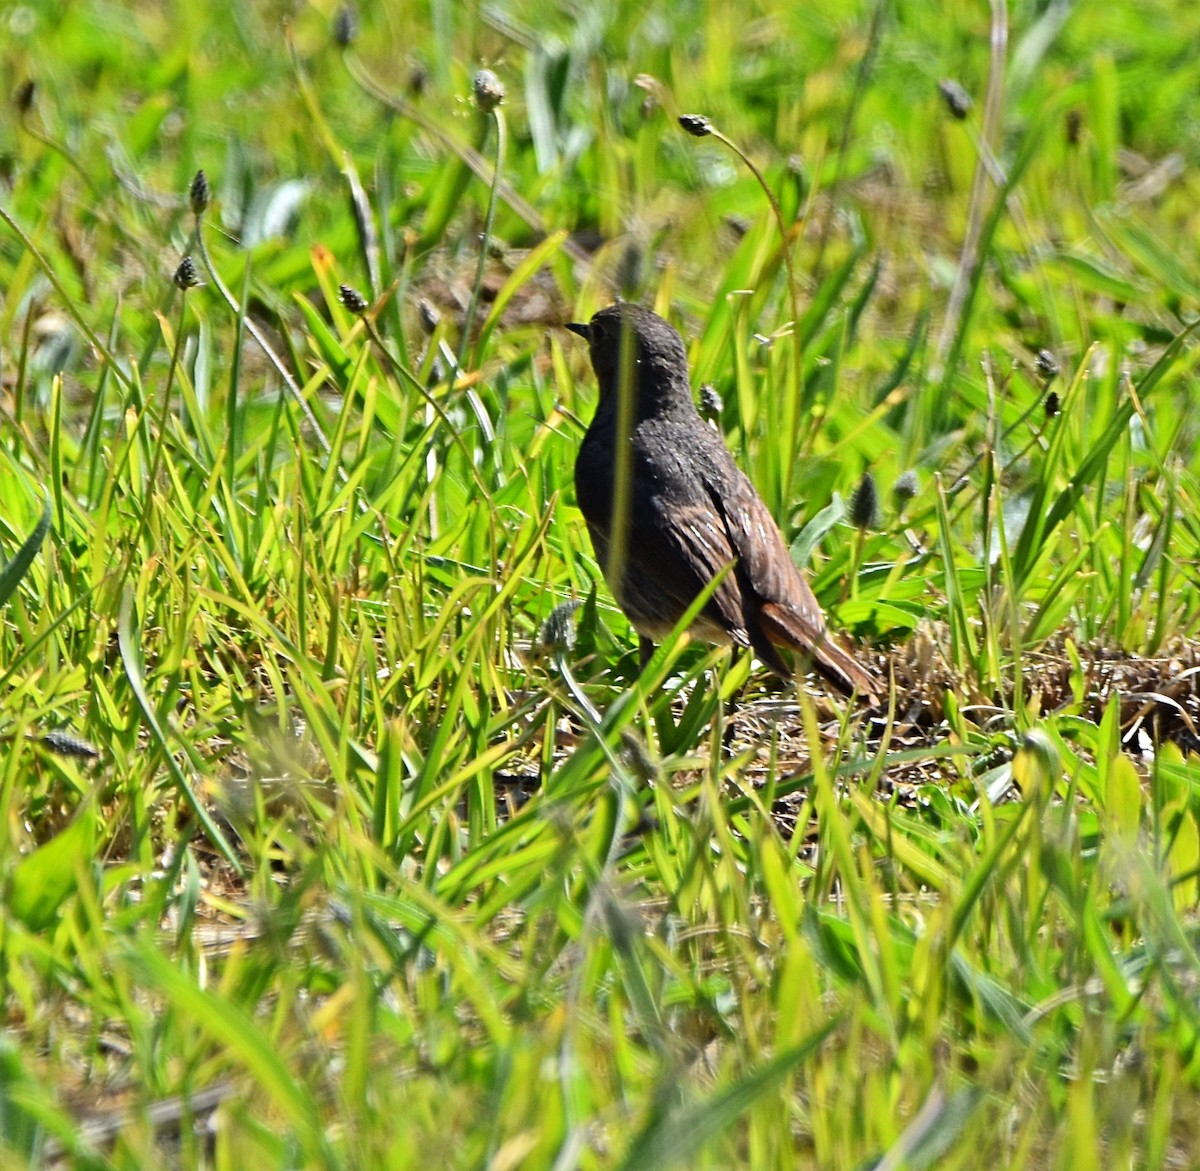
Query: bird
{"type": "Point", "coordinates": [691, 513]}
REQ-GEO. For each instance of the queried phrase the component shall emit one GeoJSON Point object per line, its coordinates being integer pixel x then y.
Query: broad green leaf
{"type": "Point", "coordinates": [15, 569]}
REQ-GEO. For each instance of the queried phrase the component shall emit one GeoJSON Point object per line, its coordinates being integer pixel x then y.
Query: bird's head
{"type": "Point", "coordinates": [651, 347]}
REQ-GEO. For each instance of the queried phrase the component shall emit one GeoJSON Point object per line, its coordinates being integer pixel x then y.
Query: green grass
{"type": "Point", "coordinates": [333, 797]}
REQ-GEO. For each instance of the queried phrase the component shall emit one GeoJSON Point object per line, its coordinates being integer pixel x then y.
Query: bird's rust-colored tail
{"type": "Point", "coordinates": [836, 663]}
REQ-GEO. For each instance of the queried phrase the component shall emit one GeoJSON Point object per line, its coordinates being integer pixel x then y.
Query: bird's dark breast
{"type": "Point", "coordinates": [595, 490]}
{"type": "Point", "coordinates": [653, 585]}
{"type": "Point", "coordinates": [594, 485]}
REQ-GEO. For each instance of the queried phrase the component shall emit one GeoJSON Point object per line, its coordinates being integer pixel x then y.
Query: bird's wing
{"type": "Point", "coordinates": [769, 577]}
{"type": "Point", "coordinates": [781, 609]}
{"type": "Point", "coordinates": [683, 556]}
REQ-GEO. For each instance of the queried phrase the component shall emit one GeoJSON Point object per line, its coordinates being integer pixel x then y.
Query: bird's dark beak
{"type": "Point", "coordinates": [584, 331]}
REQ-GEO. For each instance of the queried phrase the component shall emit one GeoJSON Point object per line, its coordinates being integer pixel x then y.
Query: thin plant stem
{"type": "Point", "coordinates": [860, 85]}
{"type": "Point", "coordinates": [700, 127]}
{"type": "Point", "coordinates": [160, 443]}
{"type": "Point", "coordinates": [969, 258]}
{"type": "Point", "coordinates": [257, 334]}
{"type": "Point", "coordinates": [408, 376]}
{"type": "Point", "coordinates": [62, 150]}
{"type": "Point", "coordinates": [70, 304]}
{"type": "Point", "coordinates": [783, 232]}
{"type": "Point", "coordinates": [467, 155]}
{"type": "Point", "coordinates": [488, 223]}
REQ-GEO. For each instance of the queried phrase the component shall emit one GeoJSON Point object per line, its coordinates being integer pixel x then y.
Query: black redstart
{"type": "Point", "coordinates": [689, 510]}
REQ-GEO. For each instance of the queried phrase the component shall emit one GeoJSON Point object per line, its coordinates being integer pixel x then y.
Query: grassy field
{"type": "Point", "coordinates": [341, 827]}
